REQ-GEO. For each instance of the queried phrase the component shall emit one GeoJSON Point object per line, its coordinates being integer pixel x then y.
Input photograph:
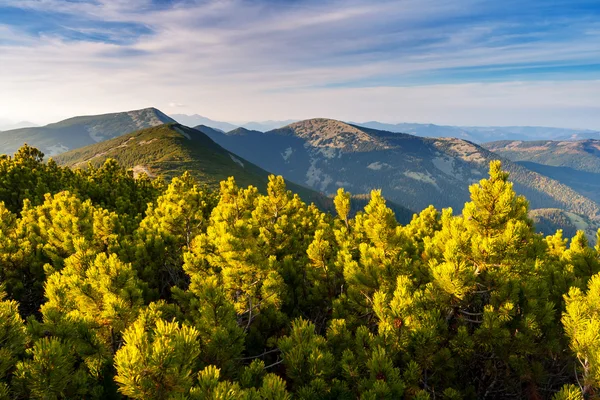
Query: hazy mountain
{"type": "Point", "coordinates": [80, 131]}
{"type": "Point", "coordinates": [194, 120]}
{"type": "Point", "coordinates": [412, 171]}
{"type": "Point", "coordinates": [424, 130]}
{"type": "Point", "coordinates": [479, 134]}
{"type": "Point", "coordinates": [582, 155]}
{"type": "Point", "coordinates": [580, 136]}
{"type": "Point", "coordinates": [265, 126]}
{"type": "Point", "coordinates": [7, 125]}
{"type": "Point", "coordinates": [171, 149]}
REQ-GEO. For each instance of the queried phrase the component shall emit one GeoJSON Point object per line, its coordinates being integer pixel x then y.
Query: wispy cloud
{"type": "Point", "coordinates": [237, 59]}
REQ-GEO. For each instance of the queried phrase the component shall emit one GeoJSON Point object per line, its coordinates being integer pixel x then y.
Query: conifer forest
{"type": "Point", "coordinates": [115, 287]}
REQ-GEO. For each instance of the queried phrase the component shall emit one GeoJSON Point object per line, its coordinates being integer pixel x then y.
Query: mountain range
{"type": "Point", "coordinates": [412, 171]}
{"type": "Point", "coordinates": [195, 120]}
{"type": "Point", "coordinates": [561, 179]}
{"type": "Point", "coordinates": [477, 134]}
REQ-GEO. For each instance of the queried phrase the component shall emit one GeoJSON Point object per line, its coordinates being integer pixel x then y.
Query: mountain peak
{"type": "Point", "coordinates": [150, 117]}
{"type": "Point", "coordinates": [242, 131]}
{"type": "Point", "coordinates": [323, 132]}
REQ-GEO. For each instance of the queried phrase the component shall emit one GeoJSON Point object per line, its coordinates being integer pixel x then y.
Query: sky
{"type": "Point", "coordinates": [460, 62]}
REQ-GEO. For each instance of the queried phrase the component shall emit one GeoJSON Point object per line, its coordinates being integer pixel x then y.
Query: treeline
{"type": "Point", "coordinates": [121, 288]}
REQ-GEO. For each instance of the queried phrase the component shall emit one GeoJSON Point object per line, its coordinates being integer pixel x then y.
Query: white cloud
{"type": "Point", "coordinates": [238, 60]}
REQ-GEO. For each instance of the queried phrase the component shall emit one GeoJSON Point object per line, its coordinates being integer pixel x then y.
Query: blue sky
{"type": "Point", "coordinates": [463, 62]}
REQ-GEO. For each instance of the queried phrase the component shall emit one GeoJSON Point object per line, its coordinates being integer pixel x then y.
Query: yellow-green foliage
{"type": "Point", "coordinates": [234, 294]}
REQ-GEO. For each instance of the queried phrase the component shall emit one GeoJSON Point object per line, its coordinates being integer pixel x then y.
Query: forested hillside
{"type": "Point", "coordinates": [116, 287]}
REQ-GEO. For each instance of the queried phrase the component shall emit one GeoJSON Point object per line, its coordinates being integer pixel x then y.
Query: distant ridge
{"type": "Point", "coordinates": [581, 155]}
{"type": "Point", "coordinates": [6, 126]}
{"type": "Point", "coordinates": [481, 134]}
{"type": "Point", "coordinates": [194, 120]}
{"type": "Point", "coordinates": [80, 131]}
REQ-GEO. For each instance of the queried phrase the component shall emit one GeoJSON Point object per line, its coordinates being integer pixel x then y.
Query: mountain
{"type": "Point", "coordinates": [264, 126]}
{"type": "Point", "coordinates": [193, 120]}
{"type": "Point", "coordinates": [479, 134]}
{"type": "Point", "coordinates": [7, 125]}
{"type": "Point", "coordinates": [80, 131]}
{"type": "Point", "coordinates": [582, 155]}
{"type": "Point", "coordinates": [487, 134]}
{"type": "Point", "coordinates": [424, 130]}
{"type": "Point", "coordinates": [412, 171]}
{"type": "Point", "coordinates": [169, 150]}
{"type": "Point", "coordinates": [549, 220]}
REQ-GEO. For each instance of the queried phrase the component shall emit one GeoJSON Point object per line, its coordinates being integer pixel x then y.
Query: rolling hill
{"type": "Point", "coordinates": [80, 131]}
{"type": "Point", "coordinates": [412, 171]}
{"type": "Point", "coordinates": [169, 150]}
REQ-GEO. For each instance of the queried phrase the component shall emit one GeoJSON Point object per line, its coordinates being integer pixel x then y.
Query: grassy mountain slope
{"type": "Point", "coordinates": [80, 131]}
{"type": "Point", "coordinates": [412, 171]}
{"type": "Point", "coordinates": [583, 155]}
{"type": "Point", "coordinates": [169, 150]}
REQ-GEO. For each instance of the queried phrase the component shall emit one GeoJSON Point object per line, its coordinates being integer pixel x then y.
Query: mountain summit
{"type": "Point", "coordinates": [332, 134]}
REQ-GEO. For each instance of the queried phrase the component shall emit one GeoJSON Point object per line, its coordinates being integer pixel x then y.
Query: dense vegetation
{"type": "Point", "coordinates": [234, 294]}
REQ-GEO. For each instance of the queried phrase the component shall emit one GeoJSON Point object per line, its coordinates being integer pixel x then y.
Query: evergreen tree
{"type": "Point", "coordinates": [157, 359]}
{"type": "Point", "coordinates": [261, 296]}
{"type": "Point", "coordinates": [179, 215]}
{"type": "Point", "coordinates": [581, 321]}
{"type": "Point", "coordinates": [12, 343]}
